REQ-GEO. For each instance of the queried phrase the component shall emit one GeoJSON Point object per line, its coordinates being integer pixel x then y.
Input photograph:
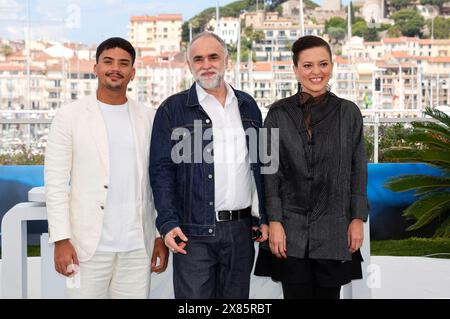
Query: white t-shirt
{"type": "Point", "coordinates": [122, 227]}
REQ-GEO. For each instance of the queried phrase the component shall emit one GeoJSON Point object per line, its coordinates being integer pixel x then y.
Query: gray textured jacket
{"type": "Point", "coordinates": [320, 185]}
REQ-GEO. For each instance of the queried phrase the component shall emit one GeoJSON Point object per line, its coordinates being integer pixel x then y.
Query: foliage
{"type": "Point", "coordinates": [431, 145]}
{"type": "Point", "coordinates": [399, 4]}
{"type": "Point", "coordinates": [394, 31]}
{"type": "Point", "coordinates": [335, 22]}
{"type": "Point", "coordinates": [438, 3]}
{"type": "Point", "coordinates": [336, 33]}
{"type": "Point", "coordinates": [22, 156]}
{"type": "Point", "coordinates": [389, 136]}
{"type": "Point", "coordinates": [6, 50]}
{"type": "Point", "coordinates": [199, 21]}
{"type": "Point", "coordinates": [371, 35]}
{"type": "Point", "coordinates": [409, 21]}
{"type": "Point", "coordinates": [233, 9]}
{"type": "Point", "coordinates": [441, 28]}
{"type": "Point", "coordinates": [360, 29]}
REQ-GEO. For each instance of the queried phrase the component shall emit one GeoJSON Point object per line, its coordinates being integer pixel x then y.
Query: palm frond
{"type": "Point", "coordinates": [444, 229]}
{"type": "Point", "coordinates": [426, 209]}
{"type": "Point", "coordinates": [431, 156]}
{"type": "Point", "coordinates": [438, 115]}
{"type": "Point", "coordinates": [432, 128]}
{"type": "Point", "coordinates": [404, 154]}
{"type": "Point", "coordinates": [409, 182]}
{"type": "Point", "coordinates": [428, 139]}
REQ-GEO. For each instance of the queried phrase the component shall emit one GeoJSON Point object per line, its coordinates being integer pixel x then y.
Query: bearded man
{"type": "Point", "coordinates": [208, 192]}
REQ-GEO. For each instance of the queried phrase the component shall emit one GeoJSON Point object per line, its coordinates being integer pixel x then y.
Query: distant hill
{"type": "Point", "coordinates": [232, 10]}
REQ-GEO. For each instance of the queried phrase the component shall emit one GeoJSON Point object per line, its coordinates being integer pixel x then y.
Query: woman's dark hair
{"type": "Point", "coordinates": [112, 43]}
{"type": "Point", "coordinates": [308, 42]}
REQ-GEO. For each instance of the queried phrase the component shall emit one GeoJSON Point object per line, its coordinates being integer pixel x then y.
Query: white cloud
{"type": "Point", "coordinates": [10, 10]}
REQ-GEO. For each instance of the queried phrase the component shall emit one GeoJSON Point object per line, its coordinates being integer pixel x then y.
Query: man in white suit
{"type": "Point", "coordinates": [99, 202]}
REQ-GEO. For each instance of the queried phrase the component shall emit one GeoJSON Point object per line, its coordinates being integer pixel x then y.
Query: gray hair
{"type": "Point", "coordinates": [203, 35]}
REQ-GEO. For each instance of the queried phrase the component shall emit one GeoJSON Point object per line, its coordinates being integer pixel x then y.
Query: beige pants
{"type": "Point", "coordinates": [113, 275]}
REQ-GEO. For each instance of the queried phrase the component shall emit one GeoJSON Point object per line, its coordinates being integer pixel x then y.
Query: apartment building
{"type": "Point", "coordinates": [161, 32]}
{"type": "Point", "coordinates": [229, 29]}
{"type": "Point", "coordinates": [157, 78]}
{"type": "Point", "coordinates": [278, 39]}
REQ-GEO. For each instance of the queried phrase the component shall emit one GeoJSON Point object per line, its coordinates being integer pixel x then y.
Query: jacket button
{"type": "Point", "coordinates": [211, 203]}
{"type": "Point", "coordinates": [102, 207]}
{"type": "Point", "coordinates": [210, 231]}
{"type": "Point", "coordinates": [210, 176]}
{"type": "Point", "coordinates": [207, 121]}
{"type": "Point", "coordinates": [105, 186]}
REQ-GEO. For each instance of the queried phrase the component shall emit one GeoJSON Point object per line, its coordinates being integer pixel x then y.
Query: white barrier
{"type": "Point", "coordinates": [14, 261]}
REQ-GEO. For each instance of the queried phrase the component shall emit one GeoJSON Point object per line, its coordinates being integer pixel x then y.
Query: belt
{"type": "Point", "coordinates": [228, 215]}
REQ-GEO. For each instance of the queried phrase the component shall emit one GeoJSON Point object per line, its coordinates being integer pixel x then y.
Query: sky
{"type": "Point", "coordinates": [87, 21]}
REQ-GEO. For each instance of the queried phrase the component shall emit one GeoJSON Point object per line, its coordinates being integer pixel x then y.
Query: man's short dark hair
{"type": "Point", "coordinates": [308, 42]}
{"type": "Point", "coordinates": [116, 42]}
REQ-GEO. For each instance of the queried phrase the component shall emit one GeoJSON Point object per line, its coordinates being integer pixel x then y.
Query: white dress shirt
{"type": "Point", "coordinates": [122, 229]}
{"type": "Point", "coordinates": [232, 180]}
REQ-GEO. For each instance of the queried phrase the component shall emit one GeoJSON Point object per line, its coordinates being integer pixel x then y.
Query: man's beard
{"type": "Point", "coordinates": [211, 83]}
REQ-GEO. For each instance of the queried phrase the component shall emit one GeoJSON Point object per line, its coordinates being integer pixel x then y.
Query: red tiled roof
{"type": "Point", "coordinates": [262, 67]}
{"type": "Point", "coordinates": [159, 17]}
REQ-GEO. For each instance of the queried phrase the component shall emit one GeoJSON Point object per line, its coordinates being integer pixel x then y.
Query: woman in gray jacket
{"type": "Point", "coordinates": [316, 201]}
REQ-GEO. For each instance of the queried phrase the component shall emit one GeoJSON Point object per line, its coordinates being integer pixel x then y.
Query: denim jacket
{"type": "Point", "coordinates": [184, 191]}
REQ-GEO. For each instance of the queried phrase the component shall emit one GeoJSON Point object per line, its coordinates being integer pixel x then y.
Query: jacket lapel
{"type": "Point", "coordinates": [98, 131]}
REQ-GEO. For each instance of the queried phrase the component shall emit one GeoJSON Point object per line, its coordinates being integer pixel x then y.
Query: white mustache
{"type": "Point", "coordinates": [209, 71]}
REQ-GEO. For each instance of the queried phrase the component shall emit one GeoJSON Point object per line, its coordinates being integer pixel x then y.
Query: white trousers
{"type": "Point", "coordinates": [122, 275]}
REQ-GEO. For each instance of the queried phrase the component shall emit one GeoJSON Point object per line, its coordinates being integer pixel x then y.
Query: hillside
{"type": "Point", "coordinates": [231, 10]}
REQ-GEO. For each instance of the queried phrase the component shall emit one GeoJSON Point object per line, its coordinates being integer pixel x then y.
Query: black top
{"type": "Point", "coordinates": [321, 182]}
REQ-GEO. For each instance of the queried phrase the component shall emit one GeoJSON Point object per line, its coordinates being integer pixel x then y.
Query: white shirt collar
{"type": "Point", "coordinates": [202, 94]}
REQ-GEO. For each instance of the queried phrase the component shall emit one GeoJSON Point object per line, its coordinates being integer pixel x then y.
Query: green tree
{"type": "Point", "coordinates": [439, 3]}
{"type": "Point", "coordinates": [372, 35]}
{"type": "Point", "coordinates": [335, 22]}
{"type": "Point", "coordinates": [389, 135]}
{"type": "Point", "coordinates": [383, 27]}
{"type": "Point", "coordinates": [432, 146]}
{"type": "Point", "coordinates": [6, 50]}
{"type": "Point", "coordinates": [394, 31]}
{"type": "Point", "coordinates": [253, 35]}
{"type": "Point", "coordinates": [399, 4]}
{"type": "Point", "coordinates": [409, 21]}
{"type": "Point", "coordinates": [360, 29]}
{"type": "Point", "coordinates": [441, 28]}
{"type": "Point", "coordinates": [337, 34]}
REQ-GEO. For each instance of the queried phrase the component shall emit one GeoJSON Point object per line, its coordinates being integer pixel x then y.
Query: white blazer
{"type": "Point", "coordinates": [76, 174]}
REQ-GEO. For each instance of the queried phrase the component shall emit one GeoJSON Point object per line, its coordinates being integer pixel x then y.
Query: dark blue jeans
{"type": "Point", "coordinates": [216, 266]}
